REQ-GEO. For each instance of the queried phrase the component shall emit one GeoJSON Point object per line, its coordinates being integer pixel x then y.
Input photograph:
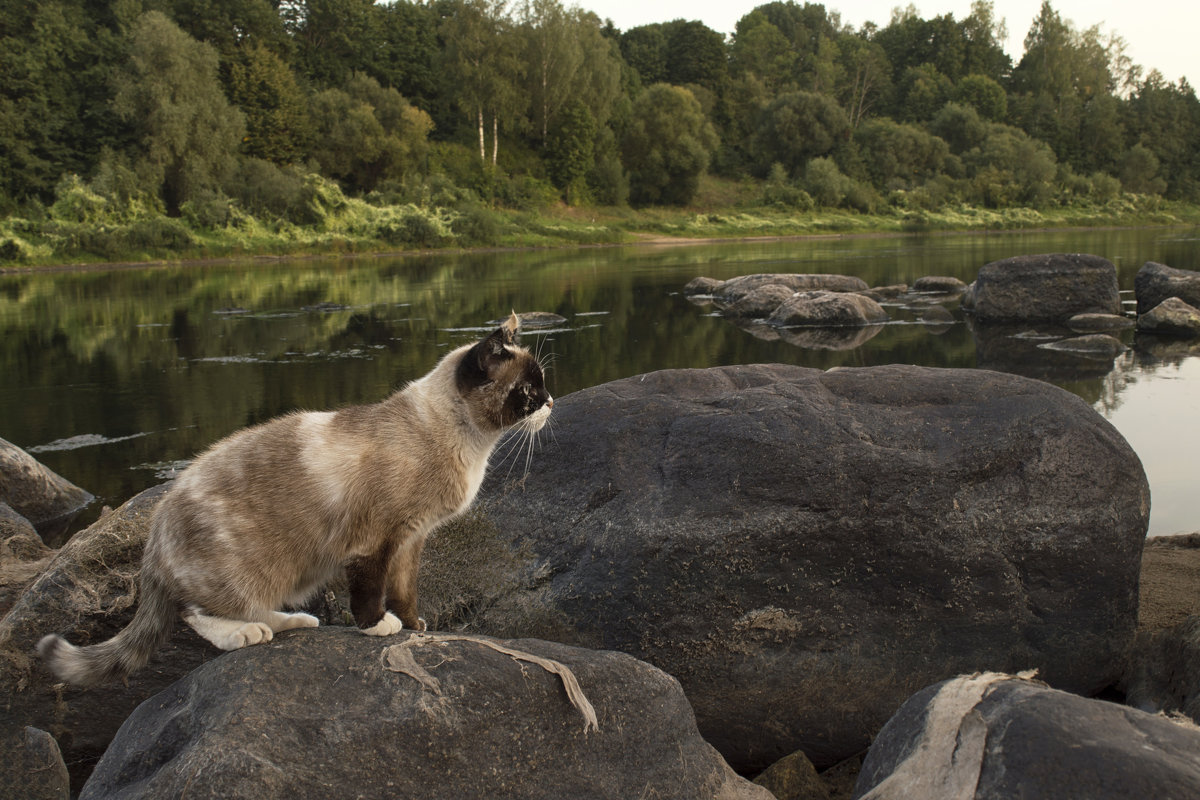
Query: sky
{"type": "Point", "coordinates": [1160, 34]}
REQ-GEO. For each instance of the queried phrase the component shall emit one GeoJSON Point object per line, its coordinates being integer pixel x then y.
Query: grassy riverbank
{"type": "Point", "coordinates": [80, 230]}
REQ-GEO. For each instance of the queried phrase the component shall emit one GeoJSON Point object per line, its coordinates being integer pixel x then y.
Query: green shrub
{"type": "Point", "coordinates": [75, 201]}
{"type": "Point", "coordinates": [825, 182]}
{"type": "Point", "coordinates": [476, 225]}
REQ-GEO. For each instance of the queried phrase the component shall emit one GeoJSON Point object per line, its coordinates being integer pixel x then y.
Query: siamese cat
{"type": "Point", "coordinates": [270, 514]}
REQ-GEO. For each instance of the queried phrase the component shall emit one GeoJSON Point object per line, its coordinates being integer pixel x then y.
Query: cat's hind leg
{"type": "Point", "coordinates": [228, 634]}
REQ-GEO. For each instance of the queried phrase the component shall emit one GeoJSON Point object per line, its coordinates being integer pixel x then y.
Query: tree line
{"type": "Point", "coordinates": [211, 109]}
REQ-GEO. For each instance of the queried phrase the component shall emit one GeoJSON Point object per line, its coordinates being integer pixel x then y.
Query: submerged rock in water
{"type": "Point", "coordinates": [330, 712]}
{"type": "Point", "coordinates": [1052, 287]}
{"type": "Point", "coordinates": [1171, 317]}
{"type": "Point", "coordinates": [734, 289]}
{"type": "Point", "coordinates": [36, 492]}
{"type": "Point", "coordinates": [1095, 345]}
{"type": "Point", "coordinates": [1156, 282]}
{"type": "Point", "coordinates": [803, 550]}
{"type": "Point", "coordinates": [939, 284]}
{"type": "Point", "coordinates": [831, 309]}
{"type": "Point", "coordinates": [760, 303]}
{"type": "Point", "coordinates": [996, 737]}
{"type": "Point", "coordinates": [1095, 323]}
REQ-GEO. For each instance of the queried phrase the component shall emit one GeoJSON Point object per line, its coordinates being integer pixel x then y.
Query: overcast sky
{"type": "Point", "coordinates": [1161, 34]}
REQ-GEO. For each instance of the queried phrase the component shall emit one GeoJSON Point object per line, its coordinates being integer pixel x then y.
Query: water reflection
{"type": "Point", "coordinates": [139, 369]}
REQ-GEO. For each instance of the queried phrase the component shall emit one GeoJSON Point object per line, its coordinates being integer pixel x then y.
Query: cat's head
{"type": "Point", "coordinates": [503, 383]}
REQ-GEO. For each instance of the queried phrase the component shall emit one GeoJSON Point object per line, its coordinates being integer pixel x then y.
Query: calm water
{"type": "Point", "coordinates": [114, 378]}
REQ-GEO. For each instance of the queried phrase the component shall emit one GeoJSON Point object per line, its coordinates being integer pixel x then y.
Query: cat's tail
{"type": "Point", "coordinates": [126, 652]}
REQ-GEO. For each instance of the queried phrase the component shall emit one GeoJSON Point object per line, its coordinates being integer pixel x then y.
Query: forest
{"type": "Point", "coordinates": [141, 127]}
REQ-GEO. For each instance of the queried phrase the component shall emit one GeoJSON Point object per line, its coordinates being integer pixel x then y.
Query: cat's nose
{"type": "Point", "coordinates": [549, 401]}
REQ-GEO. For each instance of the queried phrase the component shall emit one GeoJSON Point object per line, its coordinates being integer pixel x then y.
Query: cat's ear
{"type": "Point", "coordinates": [511, 328]}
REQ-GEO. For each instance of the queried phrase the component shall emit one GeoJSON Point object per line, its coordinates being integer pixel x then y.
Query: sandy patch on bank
{"type": "Point", "coordinates": [1170, 583]}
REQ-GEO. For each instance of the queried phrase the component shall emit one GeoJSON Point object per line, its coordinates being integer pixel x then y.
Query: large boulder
{"type": "Point", "coordinates": [827, 309]}
{"type": "Point", "coordinates": [734, 289]}
{"type": "Point", "coordinates": [1156, 282]}
{"type": "Point", "coordinates": [803, 550]}
{"type": "Point", "coordinates": [36, 492]}
{"type": "Point", "coordinates": [331, 713]}
{"type": "Point", "coordinates": [88, 592]}
{"type": "Point", "coordinates": [1171, 317]}
{"type": "Point", "coordinates": [1051, 287]}
{"type": "Point", "coordinates": [995, 737]}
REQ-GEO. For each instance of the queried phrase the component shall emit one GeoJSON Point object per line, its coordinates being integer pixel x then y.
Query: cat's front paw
{"type": "Point", "coordinates": [386, 626]}
{"type": "Point", "coordinates": [246, 634]}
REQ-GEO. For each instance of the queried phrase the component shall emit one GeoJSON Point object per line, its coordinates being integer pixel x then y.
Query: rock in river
{"type": "Point", "coordinates": [804, 550]}
{"type": "Point", "coordinates": [36, 492]}
{"type": "Point", "coordinates": [1171, 317]}
{"type": "Point", "coordinates": [997, 737]}
{"type": "Point", "coordinates": [827, 309]}
{"type": "Point", "coordinates": [1044, 287]}
{"type": "Point", "coordinates": [734, 289]}
{"type": "Point", "coordinates": [1156, 282]}
{"type": "Point", "coordinates": [329, 712]}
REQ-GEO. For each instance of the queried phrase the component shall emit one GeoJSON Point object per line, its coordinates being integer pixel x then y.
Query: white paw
{"type": "Point", "coordinates": [297, 620]}
{"type": "Point", "coordinates": [386, 626]}
{"type": "Point", "coordinates": [247, 634]}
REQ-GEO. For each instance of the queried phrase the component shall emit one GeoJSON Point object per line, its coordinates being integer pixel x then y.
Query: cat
{"type": "Point", "coordinates": [268, 515]}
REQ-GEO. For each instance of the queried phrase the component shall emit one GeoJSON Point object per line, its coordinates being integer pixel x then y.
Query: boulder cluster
{"type": "Point", "coordinates": [880, 582]}
{"type": "Point", "coordinates": [1074, 299]}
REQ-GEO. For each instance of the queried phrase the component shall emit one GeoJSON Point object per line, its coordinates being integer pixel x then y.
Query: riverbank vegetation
{"type": "Point", "coordinates": [196, 128]}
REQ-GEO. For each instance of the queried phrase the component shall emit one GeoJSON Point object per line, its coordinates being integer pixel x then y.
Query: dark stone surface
{"type": "Point", "coordinates": [760, 303]}
{"type": "Point", "coordinates": [805, 549]}
{"type": "Point", "coordinates": [827, 309]}
{"type": "Point", "coordinates": [996, 738]}
{"type": "Point", "coordinates": [1096, 323]}
{"type": "Point", "coordinates": [941, 284]}
{"type": "Point", "coordinates": [36, 492]}
{"type": "Point", "coordinates": [1171, 317]}
{"type": "Point", "coordinates": [1052, 287]}
{"type": "Point", "coordinates": [1164, 671]}
{"type": "Point", "coordinates": [32, 767]}
{"type": "Point", "coordinates": [734, 289]}
{"type": "Point", "coordinates": [88, 592]}
{"type": "Point", "coordinates": [1156, 282]}
{"type": "Point", "coordinates": [1093, 345]}
{"type": "Point", "coordinates": [322, 713]}
{"type": "Point", "coordinates": [23, 555]}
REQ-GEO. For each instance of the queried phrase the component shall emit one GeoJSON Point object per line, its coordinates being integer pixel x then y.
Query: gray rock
{"type": "Point", "coordinates": [828, 309]}
{"type": "Point", "coordinates": [889, 292]}
{"type": "Point", "coordinates": [735, 288]}
{"type": "Point", "coordinates": [1171, 317]}
{"type": "Point", "coordinates": [23, 555]}
{"type": "Point", "coordinates": [1044, 287]}
{"type": "Point", "coordinates": [1164, 671]}
{"type": "Point", "coordinates": [1096, 323]}
{"type": "Point", "coordinates": [1156, 282]}
{"type": "Point", "coordinates": [1094, 345]}
{"type": "Point", "coordinates": [36, 492]}
{"type": "Point", "coordinates": [939, 284]}
{"type": "Point", "coordinates": [87, 592]}
{"type": "Point", "coordinates": [935, 315]}
{"type": "Point", "coordinates": [803, 550]}
{"type": "Point", "coordinates": [32, 767]}
{"type": "Point", "coordinates": [994, 737]}
{"type": "Point", "coordinates": [760, 303]}
{"type": "Point", "coordinates": [793, 778]}
{"type": "Point", "coordinates": [702, 286]}
{"type": "Point", "coordinates": [329, 712]}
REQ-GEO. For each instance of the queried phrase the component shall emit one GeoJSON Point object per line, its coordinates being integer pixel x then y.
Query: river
{"type": "Point", "coordinates": [115, 378]}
